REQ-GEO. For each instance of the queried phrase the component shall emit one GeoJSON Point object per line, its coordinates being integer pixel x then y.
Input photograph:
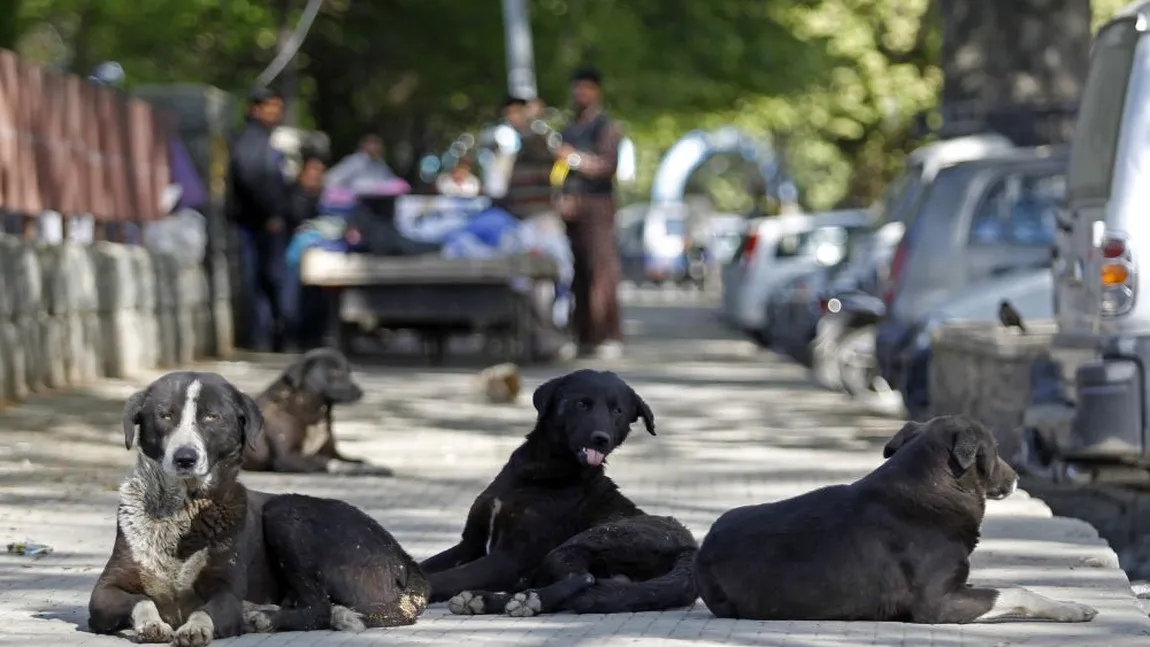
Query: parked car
{"type": "Point", "coordinates": [1030, 292]}
{"type": "Point", "coordinates": [665, 243]}
{"type": "Point", "coordinates": [981, 219]}
{"type": "Point", "coordinates": [773, 250]}
{"type": "Point", "coordinates": [629, 225]}
{"type": "Point", "coordinates": [1100, 304]}
{"type": "Point", "coordinates": [852, 298]}
{"type": "Point", "coordinates": [794, 310]}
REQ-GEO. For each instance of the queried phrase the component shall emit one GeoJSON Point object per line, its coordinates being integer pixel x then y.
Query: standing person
{"type": "Point", "coordinates": [529, 198]}
{"type": "Point", "coordinates": [529, 187]}
{"type": "Point", "coordinates": [590, 150]}
{"type": "Point", "coordinates": [366, 165]}
{"type": "Point", "coordinates": [300, 305]}
{"type": "Point", "coordinates": [256, 196]}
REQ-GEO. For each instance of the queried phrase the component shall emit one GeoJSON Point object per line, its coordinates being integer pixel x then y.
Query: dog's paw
{"type": "Point", "coordinates": [259, 621]}
{"type": "Point", "coordinates": [523, 605]}
{"type": "Point", "coordinates": [154, 631]}
{"type": "Point", "coordinates": [1073, 612]}
{"type": "Point", "coordinates": [345, 619]}
{"type": "Point", "coordinates": [196, 632]}
{"type": "Point", "coordinates": [466, 604]}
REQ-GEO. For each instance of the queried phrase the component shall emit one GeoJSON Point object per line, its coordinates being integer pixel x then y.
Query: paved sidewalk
{"type": "Point", "coordinates": [735, 427]}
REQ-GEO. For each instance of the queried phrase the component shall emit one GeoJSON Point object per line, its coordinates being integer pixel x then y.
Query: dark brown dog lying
{"type": "Point", "coordinates": [193, 545]}
{"type": "Point", "coordinates": [298, 409]}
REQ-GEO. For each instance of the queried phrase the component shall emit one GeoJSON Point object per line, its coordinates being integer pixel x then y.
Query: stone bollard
{"type": "Point", "coordinates": [7, 296]}
{"type": "Point", "coordinates": [20, 331]}
{"type": "Point", "coordinates": [143, 269]}
{"type": "Point", "coordinates": [193, 320]}
{"type": "Point", "coordinates": [118, 310]}
{"type": "Point", "coordinates": [983, 370]}
{"type": "Point", "coordinates": [167, 287]}
{"type": "Point", "coordinates": [50, 351]}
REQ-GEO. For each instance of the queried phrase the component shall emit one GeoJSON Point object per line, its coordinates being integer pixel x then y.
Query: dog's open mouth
{"type": "Point", "coordinates": [592, 457]}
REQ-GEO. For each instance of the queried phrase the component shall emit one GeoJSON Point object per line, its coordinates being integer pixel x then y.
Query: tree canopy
{"type": "Point", "coordinates": [835, 83]}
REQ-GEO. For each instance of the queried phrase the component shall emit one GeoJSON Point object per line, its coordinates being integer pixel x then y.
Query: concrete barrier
{"type": "Point", "coordinates": [984, 371]}
{"type": "Point", "coordinates": [71, 314]}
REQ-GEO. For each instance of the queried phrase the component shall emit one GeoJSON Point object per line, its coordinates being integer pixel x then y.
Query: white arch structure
{"type": "Point", "coordinates": [695, 148]}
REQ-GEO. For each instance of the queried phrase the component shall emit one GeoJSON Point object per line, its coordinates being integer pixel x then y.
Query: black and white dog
{"type": "Point", "coordinates": [193, 544]}
{"type": "Point", "coordinates": [552, 532]}
{"type": "Point", "coordinates": [893, 546]}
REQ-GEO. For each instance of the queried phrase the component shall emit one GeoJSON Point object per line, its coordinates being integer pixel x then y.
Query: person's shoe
{"type": "Point", "coordinates": [567, 352]}
{"type": "Point", "coordinates": [609, 350]}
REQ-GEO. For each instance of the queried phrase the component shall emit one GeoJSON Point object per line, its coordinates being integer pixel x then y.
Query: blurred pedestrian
{"type": "Point", "coordinates": [256, 201]}
{"type": "Point", "coordinates": [529, 198]}
{"type": "Point", "coordinates": [364, 167]}
{"type": "Point", "coordinates": [529, 187]}
{"type": "Point", "coordinates": [459, 181]}
{"type": "Point", "coordinates": [302, 305]}
{"type": "Point", "coordinates": [590, 151]}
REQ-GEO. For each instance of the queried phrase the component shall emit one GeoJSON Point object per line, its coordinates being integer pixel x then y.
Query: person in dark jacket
{"type": "Point", "coordinates": [256, 202]}
{"type": "Point", "coordinates": [590, 150]}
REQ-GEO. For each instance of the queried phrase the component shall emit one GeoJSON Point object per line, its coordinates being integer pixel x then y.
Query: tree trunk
{"type": "Point", "coordinates": [1015, 66]}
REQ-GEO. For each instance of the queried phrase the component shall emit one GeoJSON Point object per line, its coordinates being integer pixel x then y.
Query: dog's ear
{"type": "Point", "coordinates": [251, 420]}
{"type": "Point", "coordinates": [908, 431]}
{"type": "Point", "coordinates": [642, 410]}
{"type": "Point", "coordinates": [295, 372]}
{"type": "Point", "coordinates": [965, 446]}
{"type": "Point", "coordinates": [546, 395]}
{"type": "Point", "coordinates": [131, 417]}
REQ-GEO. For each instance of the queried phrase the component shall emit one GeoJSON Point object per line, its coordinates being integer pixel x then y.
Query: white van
{"type": "Point", "coordinates": [1103, 339]}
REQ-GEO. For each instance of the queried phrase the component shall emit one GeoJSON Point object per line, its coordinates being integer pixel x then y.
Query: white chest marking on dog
{"type": "Point", "coordinates": [1016, 603]}
{"type": "Point", "coordinates": [154, 541]}
{"type": "Point", "coordinates": [315, 436]}
{"type": "Point", "coordinates": [496, 506]}
{"type": "Point", "coordinates": [187, 433]}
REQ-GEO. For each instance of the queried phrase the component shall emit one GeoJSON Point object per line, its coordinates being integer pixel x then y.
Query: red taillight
{"type": "Point", "coordinates": [1114, 248]}
{"type": "Point", "coordinates": [896, 266]}
{"type": "Point", "coordinates": [749, 248]}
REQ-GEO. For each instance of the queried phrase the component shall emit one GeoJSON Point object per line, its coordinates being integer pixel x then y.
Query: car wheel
{"type": "Point", "coordinates": [860, 377]}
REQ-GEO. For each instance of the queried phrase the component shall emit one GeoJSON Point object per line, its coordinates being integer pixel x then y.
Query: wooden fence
{"type": "Point", "coordinates": [72, 146]}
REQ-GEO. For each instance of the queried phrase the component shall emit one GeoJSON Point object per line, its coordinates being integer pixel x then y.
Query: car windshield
{"type": "Point", "coordinates": [898, 201]}
{"type": "Point", "coordinates": [1100, 115]}
{"type": "Point", "coordinates": [1019, 210]}
{"type": "Point", "coordinates": [808, 243]}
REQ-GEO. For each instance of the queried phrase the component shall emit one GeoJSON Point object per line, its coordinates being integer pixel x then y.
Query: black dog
{"type": "Point", "coordinates": [893, 546]}
{"type": "Point", "coordinates": [192, 543]}
{"type": "Point", "coordinates": [338, 568]}
{"type": "Point", "coordinates": [297, 409]}
{"type": "Point", "coordinates": [553, 520]}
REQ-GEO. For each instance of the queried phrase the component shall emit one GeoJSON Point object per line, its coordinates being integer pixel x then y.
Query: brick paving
{"type": "Point", "coordinates": [735, 425]}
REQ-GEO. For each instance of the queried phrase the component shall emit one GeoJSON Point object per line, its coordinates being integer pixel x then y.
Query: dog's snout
{"type": "Point", "coordinates": [600, 440]}
{"type": "Point", "coordinates": [185, 457]}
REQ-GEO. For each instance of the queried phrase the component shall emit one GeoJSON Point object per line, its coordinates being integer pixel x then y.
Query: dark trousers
{"type": "Point", "coordinates": [598, 270]}
{"type": "Point", "coordinates": [304, 309]}
{"type": "Point", "coordinates": [262, 270]}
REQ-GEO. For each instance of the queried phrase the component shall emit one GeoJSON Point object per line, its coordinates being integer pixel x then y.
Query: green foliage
{"type": "Point", "coordinates": [1103, 10]}
{"type": "Point", "coordinates": [834, 82]}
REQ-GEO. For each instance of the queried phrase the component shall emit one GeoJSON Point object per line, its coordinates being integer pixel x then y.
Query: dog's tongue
{"type": "Point", "coordinates": [593, 457]}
